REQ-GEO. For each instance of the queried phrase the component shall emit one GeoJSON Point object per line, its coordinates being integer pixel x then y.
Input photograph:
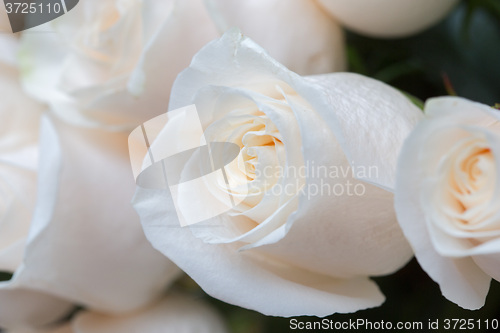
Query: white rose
{"type": "Point", "coordinates": [110, 62]}
{"type": "Point", "coordinates": [447, 198]}
{"type": "Point", "coordinates": [299, 34]}
{"type": "Point", "coordinates": [173, 313]}
{"type": "Point", "coordinates": [388, 18]}
{"type": "Point", "coordinates": [294, 252]}
{"type": "Point", "coordinates": [113, 62]}
{"type": "Point", "coordinates": [67, 229]}
{"type": "Point", "coordinates": [19, 122]}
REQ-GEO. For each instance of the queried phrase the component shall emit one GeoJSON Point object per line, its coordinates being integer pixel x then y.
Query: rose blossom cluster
{"type": "Point", "coordinates": [86, 249]}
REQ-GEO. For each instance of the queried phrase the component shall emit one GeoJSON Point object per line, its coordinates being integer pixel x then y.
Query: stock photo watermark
{"type": "Point", "coordinates": [178, 158]}
{"type": "Point", "coordinates": [361, 324]}
{"type": "Point", "coordinates": [26, 14]}
{"type": "Point", "coordinates": [332, 180]}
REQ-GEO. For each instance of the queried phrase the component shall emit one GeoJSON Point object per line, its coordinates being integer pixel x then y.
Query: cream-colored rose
{"type": "Point", "coordinates": [299, 34]}
{"type": "Point", "coordinates": [304, 240]}
{"type": "Point", "coordinates": [61, 233]}
{"type": "Point", "coordinates": [173, 313]}
{"type": "Point", "coordinates": [388, 18]}
{"type": "Point", "coordinates": [447, 197]}
{"type": "Point", "coordinates": [19, 122]}
{"type": "Point", "coordinates": [113, 62]}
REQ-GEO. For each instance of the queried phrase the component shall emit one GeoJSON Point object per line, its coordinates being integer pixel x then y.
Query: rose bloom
{"type": "Point", "coordinates": [285, 250]}
{"type": "Point", "coordinates": [61, 234]}
{"type": "Point", "coordinates": [113, 62]}
{"type": "Point", "coordinates": [447, 197]}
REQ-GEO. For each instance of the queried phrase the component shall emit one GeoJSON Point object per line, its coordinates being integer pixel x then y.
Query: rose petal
{"type": "Point", "coordinates": [20, 115]}
{"type": "Point", "coordinates": [18, 158]}
{"type": "Point", "coordinates": [174, 313]}
{"type": "Point", "coordinates": [354, 231]}
{"type": "Point", "coordinates": [490, 264]}
{"type": "Point", "coordinates": [23, 308]}
{"type": "Point", "coordinates": [379, 115]}
{"type": "Point", "coordinates": [85, 243]}
{"type": "Point", "coordinates": [223, 57]}
{"type": "Point", "coordinates": [464, 111]}
{"type": "Point", "coordinates": [270, 287]}
{"type": "Point", "coordinates": [125, 100]}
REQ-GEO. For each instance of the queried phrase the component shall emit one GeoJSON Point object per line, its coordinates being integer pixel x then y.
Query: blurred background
{"type": "Point", "coordinates": [465, 48]}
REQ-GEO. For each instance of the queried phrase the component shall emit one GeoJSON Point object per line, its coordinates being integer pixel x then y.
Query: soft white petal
{"type": "Point", "coordinates": [268, 286]}
{"type": "Point", "coordinates": [174, 313]}
{"type": "Point", "coordinates": [344, 100]}
{"type": "Point", "coordinates": [299, 34]}
{"type": "Point", "coordinates": [344, 236]}
{"type": "Point", "coordinates": [17, 200]}
{"type": "Point", "coordinates": [19, 113]}
{"type": "Point", "coordinates": [490, 264]}
{"type": "Point", "coordinates": [219, 63]}
{"type": "Point", "coordinates": [86, 242]}
{"type": "Point", "coordinates": [374, 121]}
{"type": "Point", "coordinates": [185, 29]}
{"type": "Point", "coordinates": [40, 57]}
{"type": "Point", "coordinates": [172, 32]}
{"type": "Point", "coordinates": [388, 18]}
{"type": "Point", "coordinates": [19, 124]}
{"type": "Point", "coordinates": [464, 111]}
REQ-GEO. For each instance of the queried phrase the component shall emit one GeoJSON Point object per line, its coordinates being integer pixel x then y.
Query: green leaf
{"type": "Point", "coordinates": [415, 100]}
{"type": "Point", "coordinates": [355, 61]}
